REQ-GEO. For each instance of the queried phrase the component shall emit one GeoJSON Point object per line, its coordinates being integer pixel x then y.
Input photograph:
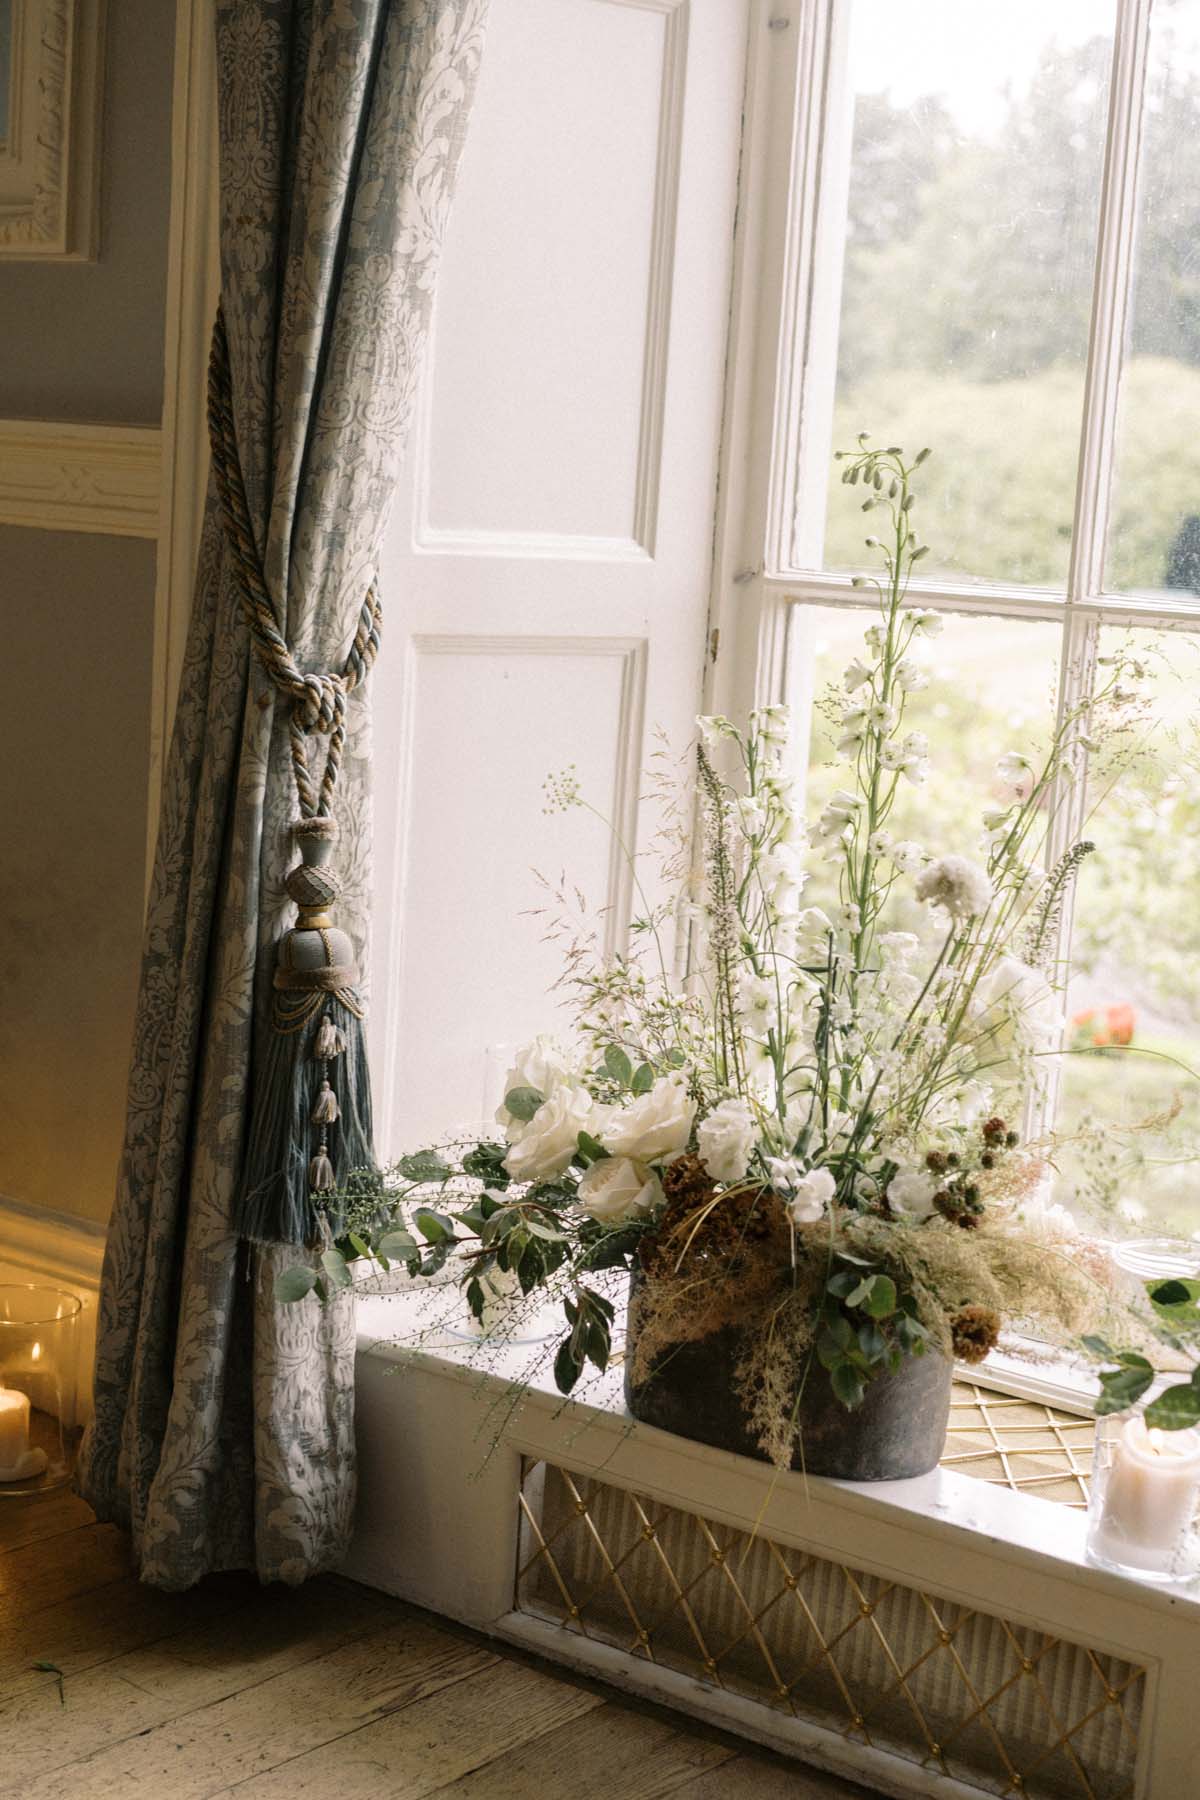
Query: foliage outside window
{"type": "Point", "coordinates": [1003, 263]}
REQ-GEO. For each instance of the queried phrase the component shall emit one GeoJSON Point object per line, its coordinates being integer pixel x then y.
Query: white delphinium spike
{"type": "Point", "coordinates": [960, 887]}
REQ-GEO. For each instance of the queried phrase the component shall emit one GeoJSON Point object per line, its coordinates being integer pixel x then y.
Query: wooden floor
{"type": "Point", "coordinates": [330, 1692]}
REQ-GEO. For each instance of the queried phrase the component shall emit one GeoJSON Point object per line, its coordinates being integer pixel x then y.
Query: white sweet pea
{"type": "Point", "coordinates": [541, 1064]}
{"type": "Point", "coordinates": [910, 1193]}
{"type": "Point", "coordinates": [961, 887]}
{"type": "Point", "coordinates": [808, 1194]}
{"type": "Point", "coordinates": [617, 1189]}
{"type": "Point", "coordinates": [725, 1140]}
{"type": "Point", "coordinates": [1015, 1006]}
{"type": "Point", "coordinates": [897, 945]}
{"type": "Point", "coordinates": [544, 1145]}
{"type": "Point", "coordinates": [655, 1125]}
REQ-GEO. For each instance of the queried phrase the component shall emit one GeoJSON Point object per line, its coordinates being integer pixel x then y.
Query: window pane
{"type": "Point", "coordinates": [1137, 966]}
{"type": "Point", "coordinates": [991, 689]}
{"type": "Point", "coordinates": [974, 138]}
{"type": "Point", "coordinates": [1154, 526]}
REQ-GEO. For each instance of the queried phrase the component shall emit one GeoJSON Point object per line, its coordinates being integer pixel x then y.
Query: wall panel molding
{"type": "Point", "coordinates": [96, 478]}
{"type": "Point", "coordinates": [640, 545]}
{"type": "Point", "coordinates": [49, 164]}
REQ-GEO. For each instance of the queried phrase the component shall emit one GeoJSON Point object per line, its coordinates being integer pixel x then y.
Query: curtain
{"type": "Point", "coordinates": [223, 1434]}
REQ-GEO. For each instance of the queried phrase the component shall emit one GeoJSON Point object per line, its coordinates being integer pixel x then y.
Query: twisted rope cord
{"type": "Point", "coordinates": [318, 701]}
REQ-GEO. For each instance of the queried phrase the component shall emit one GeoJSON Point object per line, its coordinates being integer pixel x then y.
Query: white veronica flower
{"type": "Point", "coordinates": [961, 887]}
{"type": "Point", "coordinates": [616, 1189]}
{"type": "Point", "coordinates": [655, 1125]}
{"type": "Point", "coordinates": [910, 1193]}
{"type": "Point", "coordinates": [855, 675]}
{"type": "Point", "coordinates": [725, 1140]}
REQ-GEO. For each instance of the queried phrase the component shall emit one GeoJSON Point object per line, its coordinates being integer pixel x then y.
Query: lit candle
{"type": "Point", "coordinates": [1146, 1497]}
{"type": "Point", "coordinates": [17, 1461]}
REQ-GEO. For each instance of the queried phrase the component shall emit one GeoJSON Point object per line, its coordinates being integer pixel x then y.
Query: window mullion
{"type": "Point", "coordinates": [1077, 681]}
{"type": "Point", "coordinates": [1110, 299]}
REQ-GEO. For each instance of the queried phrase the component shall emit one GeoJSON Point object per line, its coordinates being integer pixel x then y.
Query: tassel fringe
{"type": "Point", "coordinates": [326, 1109]}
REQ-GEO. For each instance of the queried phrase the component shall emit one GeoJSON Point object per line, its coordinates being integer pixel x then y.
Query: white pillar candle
{"type": "Point", "coordinates": [14, 1430]}
{"type": "Point", "coordinates": [1146, 1497]}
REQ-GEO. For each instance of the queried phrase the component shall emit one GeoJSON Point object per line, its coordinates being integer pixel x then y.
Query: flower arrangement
{"type": "Point", "coordinates": [812, 1135]}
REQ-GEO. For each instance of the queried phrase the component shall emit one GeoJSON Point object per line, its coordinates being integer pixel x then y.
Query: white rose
{"type": "Point", "coordinates": [616, 1189]}
{"type": "Point", "coordinates": [725, 1140]}
{"type": "Point", "coordinates": [543, 1145]}
{"type": "Point", "coordinates": [541, 1065]}
{"type": "Point", "coordinates": [1016, 1006]}
{"type": "Point", "coordinates": [657, 1124]}
{"type": "Point", "coordinates": [910, 1193]}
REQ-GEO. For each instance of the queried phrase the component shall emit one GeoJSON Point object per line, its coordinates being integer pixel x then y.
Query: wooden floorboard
{"type": "Point", "coordinates": [326, 1692]}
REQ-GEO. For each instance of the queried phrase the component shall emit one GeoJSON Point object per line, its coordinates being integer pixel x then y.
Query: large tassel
{"type": "Point", "coordinates": [311, 1106]}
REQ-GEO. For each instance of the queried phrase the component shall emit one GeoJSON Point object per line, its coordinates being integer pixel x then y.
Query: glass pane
{"type": "Point", "coordinates": [1134, 1003]}
{"type": "Point", "coordinates": [974, 138]}
{"type": "Point", "coordinates": [991, 689]}
{"type": "Point", "coordinates": [1154, 525]}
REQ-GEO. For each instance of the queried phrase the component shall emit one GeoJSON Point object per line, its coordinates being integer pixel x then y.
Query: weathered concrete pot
{"type": "Point", "coordinates": [898, 1431]}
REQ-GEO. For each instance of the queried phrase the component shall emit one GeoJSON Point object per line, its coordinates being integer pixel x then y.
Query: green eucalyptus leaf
{"type": "Point", "coordinates": [334, 1265]}
{"type": "Point", "coordinates": [523, 1102]}
{"type": "Point", "coordinates": [434, 1227]}
{"type": "Point", "coordinates": [397, 1245]}
{"type": "Point", "coordinates": [643, 1079]}
{"type": "Point", "coordinates": [1176, 1408]}
{"type": "Point", "coordinates": [590, 1149]}
{"type": "Point", "coordinates": [881, 1301]}
{"type": "Point", "coordinates": [847, 1384]}
{"type": "Point", "coordinates": [424, 1165]}
{"type": "Point", "coordinates": [618, 1064]}
{"type": "Point", "coordinates": [292, 1284]}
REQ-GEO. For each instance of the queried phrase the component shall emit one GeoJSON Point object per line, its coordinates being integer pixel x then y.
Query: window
{"type": "Point", "coordinates": [977, 229]}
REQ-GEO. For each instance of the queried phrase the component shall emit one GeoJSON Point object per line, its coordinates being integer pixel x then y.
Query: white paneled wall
{"type": "Point", "coordinates": [548, 567]}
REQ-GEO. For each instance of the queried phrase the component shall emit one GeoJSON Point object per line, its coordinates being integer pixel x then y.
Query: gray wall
{"type": "Point", "coordinates": [76, 741]}
{"type": "Point", "coordinates": [83, 341]}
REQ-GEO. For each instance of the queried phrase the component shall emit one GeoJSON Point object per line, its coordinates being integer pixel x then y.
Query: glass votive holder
{"type": "Point", "coordinates": [1144, 1488]}
{"type": "Point", "coordinates": [39, 1374]}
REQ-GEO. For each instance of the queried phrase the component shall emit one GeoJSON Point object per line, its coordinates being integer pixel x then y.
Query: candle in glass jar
{"type": "Point", "coordinates": [1147, 1497]}
{"type": "Point", "coordinates": [14, 1430]}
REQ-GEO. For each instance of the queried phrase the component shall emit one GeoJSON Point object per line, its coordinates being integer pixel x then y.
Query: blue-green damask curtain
{"type": "Point", "coordinates": [224, 1425]}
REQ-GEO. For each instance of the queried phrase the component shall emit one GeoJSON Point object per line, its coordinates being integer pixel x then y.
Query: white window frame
{"type": "Point", "coordinates": [794, 177]}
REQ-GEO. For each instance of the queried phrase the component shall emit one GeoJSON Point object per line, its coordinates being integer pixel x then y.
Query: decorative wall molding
{"type": "Point", "coordinates": [58, 1250]}
{"type": "Point", "coordinates": [193, 280]}
{"type": "Point", "coordinates": [97, 478]}
{"type": "Point", "coordinates": [49, 164]}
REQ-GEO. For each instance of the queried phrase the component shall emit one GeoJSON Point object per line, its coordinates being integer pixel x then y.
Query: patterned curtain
{"type": "Point", "coordinates": [224, 1425]}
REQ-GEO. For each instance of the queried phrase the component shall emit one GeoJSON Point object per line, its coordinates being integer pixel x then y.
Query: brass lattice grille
{"type": "Point", "coordinates": [1021, 1444]}
{"type": "Point", "coordinates": [996, 1704]}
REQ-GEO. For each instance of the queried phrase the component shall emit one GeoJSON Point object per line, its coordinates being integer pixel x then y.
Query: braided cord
{"type": "Point", "coordinates": [318, 702]}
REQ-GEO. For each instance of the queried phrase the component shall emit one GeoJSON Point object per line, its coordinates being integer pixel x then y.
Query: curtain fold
{"type": "Point", "coordinates": [223, 1434]}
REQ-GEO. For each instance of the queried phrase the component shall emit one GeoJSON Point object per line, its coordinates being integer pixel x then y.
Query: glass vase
{"type": "Point", "coordinates": [1144, 1489]}
{"type": "Point", "coordinates": [39, 1401]}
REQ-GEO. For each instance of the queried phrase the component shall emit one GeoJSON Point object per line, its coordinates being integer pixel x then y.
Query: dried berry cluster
{"type": "Point", "coordinates": [974, 1331]}
{"type": "Point", "coordinates": [959, 1199]}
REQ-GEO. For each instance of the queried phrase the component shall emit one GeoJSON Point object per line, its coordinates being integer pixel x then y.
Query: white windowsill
{"type": "Point", "coordinates": [596, 1432]}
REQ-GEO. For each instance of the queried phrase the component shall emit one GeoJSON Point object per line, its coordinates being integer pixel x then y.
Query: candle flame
{"type": "Point", "coordinates": [35, 1353]}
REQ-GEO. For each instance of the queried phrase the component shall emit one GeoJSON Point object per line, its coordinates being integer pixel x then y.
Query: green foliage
{"type": "Point", "coordinates": [523, 1102]}
{"type": "Point", "coordinates": [424, 1166]}
{"type": "Point", "coordinates": [294, 1283]}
